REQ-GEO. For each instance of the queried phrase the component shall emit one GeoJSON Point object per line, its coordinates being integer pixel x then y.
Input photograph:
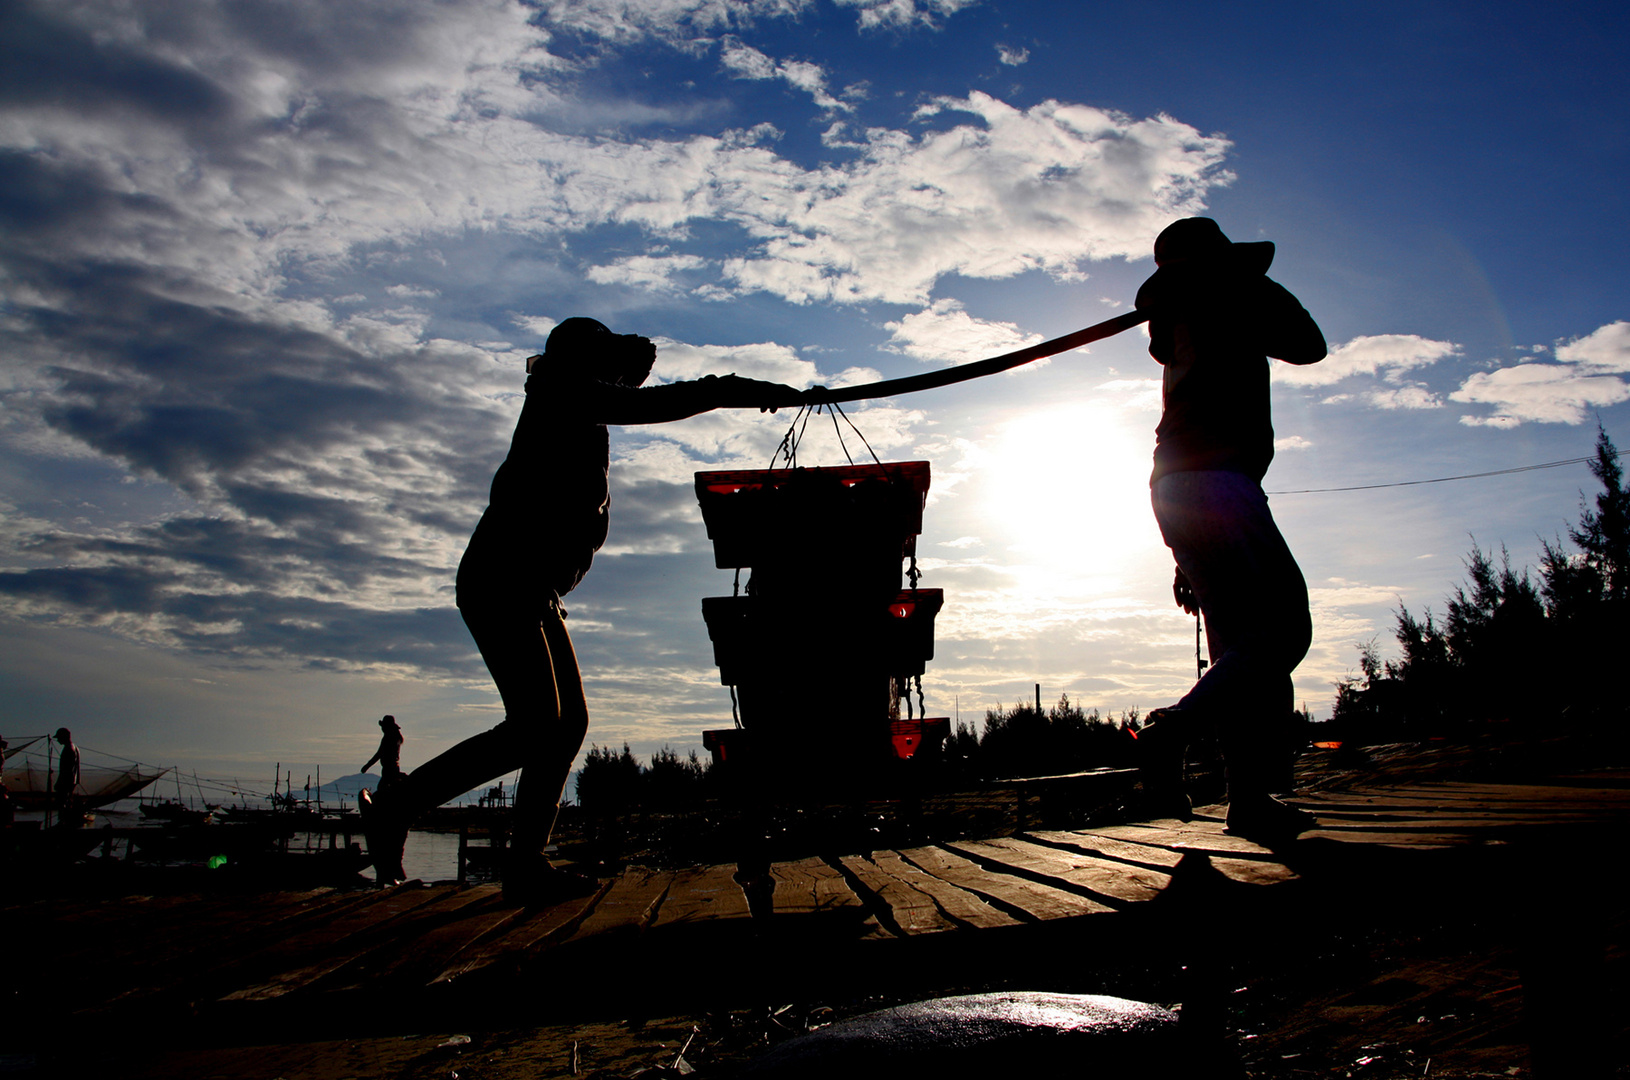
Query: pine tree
{"type": "Point", "coordinates": [1603, 535]}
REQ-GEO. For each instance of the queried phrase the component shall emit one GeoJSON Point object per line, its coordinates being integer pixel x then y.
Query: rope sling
{"type": "Point", "coordinates": [830, 399]}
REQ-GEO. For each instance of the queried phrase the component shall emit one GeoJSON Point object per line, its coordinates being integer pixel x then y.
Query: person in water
{"type": "Point", "coordinates": [547, 516]}
{"type": "Point", "coordinates": [1214, 319]}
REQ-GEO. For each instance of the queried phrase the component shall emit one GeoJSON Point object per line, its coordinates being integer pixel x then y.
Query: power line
{"type": "Point", "coordinates": [1445, 479]}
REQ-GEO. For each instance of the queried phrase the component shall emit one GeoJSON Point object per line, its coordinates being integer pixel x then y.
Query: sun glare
{"type": "Point", "coordinates": [1069, 490]}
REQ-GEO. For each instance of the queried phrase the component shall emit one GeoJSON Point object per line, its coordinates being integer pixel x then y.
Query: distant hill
{"type": "Point", "coordinates": [346, 787]}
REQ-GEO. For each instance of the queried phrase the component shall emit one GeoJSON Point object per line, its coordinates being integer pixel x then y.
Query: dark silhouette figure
{"type": "Point", "coordinates": [389, 754]}
{"type": "Point", "coordinates": [1215, 317]}
{"type": "Point", "coordinates": [547, 516]}
{"type": "Point", "coordinates": [67, 776]}
{"type": "Point", "coordinates": [8, 812]}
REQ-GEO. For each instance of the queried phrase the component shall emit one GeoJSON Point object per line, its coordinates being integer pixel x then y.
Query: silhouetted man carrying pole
{"type": "Point", "coordinates": [389, 754]}
{"type": "Point", "coordinates": [1214, 318]}
{"type": "Point", "coordinates": [547, 517]}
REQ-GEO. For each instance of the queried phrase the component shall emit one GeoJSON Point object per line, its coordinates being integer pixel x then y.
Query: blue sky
{"type": "Point", "coordinates": [270, 271]}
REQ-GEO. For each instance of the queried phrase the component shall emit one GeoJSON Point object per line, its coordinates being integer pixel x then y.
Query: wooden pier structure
{"type": "Point", "coordinates": [956, 913]}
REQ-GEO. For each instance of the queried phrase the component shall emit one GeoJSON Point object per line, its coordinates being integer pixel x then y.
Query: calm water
{"type": "Point", "coordinates": [429, 856]}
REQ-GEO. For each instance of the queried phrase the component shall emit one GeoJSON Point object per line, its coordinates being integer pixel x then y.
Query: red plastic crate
{"type": "Point", "coordinates": [754, 514]}
{"type": "Point", "coordinates": [751, 636]}
{"type": "Point", "coordinates": [720, 741]}
{"type": "Point", "coordinates": [909, 737]}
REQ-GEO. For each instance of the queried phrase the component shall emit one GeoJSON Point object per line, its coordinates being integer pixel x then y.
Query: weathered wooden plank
{"type": "Point", "coordinates": [912, 910]}
{"type": "Point", "coordinates": [1563, 804]}
{"type": "Point", "coordinates": [304, 958]}
{"type": "Point", "coordinates": [512, 941]}
{"type": "Point", "coordinates": [1094, 842]}
{"type": "Point", "coordinates": [1161, 859]}
{"type": "Point", "coordinates": [211, 928]}
{"type": "Point", "coordinates": [629, 903]}
{"type": "Point", "coordinates": [811, 887]}
{"type": "Point", "coordinates": [1113, 884]}
{"type": "Point", "coordinates": [958, 904]}
{"type": "Point", "coordinates": [1413, 840]}
{"type": "Point", "coordinates": [1143, 833]}
{"type": "Point", "coordinates": [1021, 897]}
{"type": "Point", "coordinates": [702, 894]}
{"type": "Point", "coordinates": [429, 939]}
{"type": "Point", "coordinates": [182, 945]}
{"type": "Point", "coordinates": [1202, 834]}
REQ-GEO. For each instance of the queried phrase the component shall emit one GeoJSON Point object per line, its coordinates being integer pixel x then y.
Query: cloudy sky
{"type": "Point", "coordinates": [270, 269]}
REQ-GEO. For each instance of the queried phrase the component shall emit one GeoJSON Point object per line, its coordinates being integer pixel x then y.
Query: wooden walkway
{"type": "Point", "coordinates": [306, 954]}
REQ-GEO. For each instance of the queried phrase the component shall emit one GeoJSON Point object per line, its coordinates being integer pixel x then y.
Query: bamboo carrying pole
{"type": "Point", "coordinates": [979, 368]}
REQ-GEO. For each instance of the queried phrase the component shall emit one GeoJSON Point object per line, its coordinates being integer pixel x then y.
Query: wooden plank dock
{"type": "Point", "coordinates": [316, 957]}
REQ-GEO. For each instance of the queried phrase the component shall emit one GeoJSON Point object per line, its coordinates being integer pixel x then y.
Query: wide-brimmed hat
{"type": "Point", "coordinates": [574, 333]}
{"type": "Point", "coordinates": [1200, 239]}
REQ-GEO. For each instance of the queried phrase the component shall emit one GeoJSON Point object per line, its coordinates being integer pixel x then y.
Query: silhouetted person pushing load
{"type": "Point", "coordinates": [1215, 317]}
{"type": "Point", "coordinates": [389, 754]}
{"type": "Point", "coordinates": [546, 518]}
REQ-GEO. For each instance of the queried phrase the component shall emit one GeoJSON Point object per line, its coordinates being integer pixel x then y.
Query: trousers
{"type": "Point", "coordinates": [546, 717]}
{"type": "Point", "coordinates": [1253, 598]}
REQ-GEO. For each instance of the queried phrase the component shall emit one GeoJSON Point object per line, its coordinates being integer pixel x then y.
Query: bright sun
{"type": "Point", "coordinates": [1070, 489]}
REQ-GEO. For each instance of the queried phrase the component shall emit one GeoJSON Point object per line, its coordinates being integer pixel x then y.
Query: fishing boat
{"type": "Point", "coordinates": [170, 812]}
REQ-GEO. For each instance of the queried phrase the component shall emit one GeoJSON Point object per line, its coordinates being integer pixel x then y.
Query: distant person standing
{"type": "Point", "coordinates": [67, 780]}
{"type": "Point", "coordinates": [389, 754]}
{"type": "Point", "coordinates": [8, 812]}
{"type": "Point", "coordinates": [1214, 319]}
{"type": "Point", "coordinates": [547, 516]}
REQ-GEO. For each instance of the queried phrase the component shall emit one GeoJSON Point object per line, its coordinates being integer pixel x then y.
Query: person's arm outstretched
{"type": "Point", "coordinates": [610, 403]}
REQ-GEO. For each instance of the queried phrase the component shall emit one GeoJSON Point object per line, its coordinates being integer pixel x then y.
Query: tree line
{"type": "Point", "coordinates": [1509, 645]}
{"type": "Point", "coordinates": [1015, 741]}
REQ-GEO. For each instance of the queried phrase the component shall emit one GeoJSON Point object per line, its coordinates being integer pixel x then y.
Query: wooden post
{"type": "Point", "coordinates": [1038, 699]}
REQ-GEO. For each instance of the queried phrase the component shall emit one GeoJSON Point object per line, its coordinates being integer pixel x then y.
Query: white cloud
{"type": "Point", "coordinates": [944, 332]}
{"type": "Point", "coordinates": [628, 20]}
{"type": "Point", "coordinates": [1384, 355]}
{"type": "Point", "coordinates": [653, 272]}
{"type": "Point", "coordinates": [275, 187]}
{"type": "Point", "coordinates": [1586, 378]}
{"type": "Point", "coordinates": [749, 63]}
{"type": "Point", "coordinates": [1011, 56]}
{"type": "Point", "coordinates": [1412, 396]}
{"type": "Point", "coordinates": [680, 21]}
{"type": "Point", "coordinates": [854, 376]}
{"type": "Point", "coordinates": [904, 13]}
{"type": "Point", "coordinates": [1606, 349]}
{"type": "Point", "coordinates": [1292, 442]}
{"type": "Point", "coordinates": [1539, 393]}
{"type": "Point", "coordinates": [764, 360]}
{"type": "Point", "coordinates": [1140, 394]}
{"type": "Point", "coordinates": [1050, 187]}
{"type": "Point", "coordinates": [536, 325]}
